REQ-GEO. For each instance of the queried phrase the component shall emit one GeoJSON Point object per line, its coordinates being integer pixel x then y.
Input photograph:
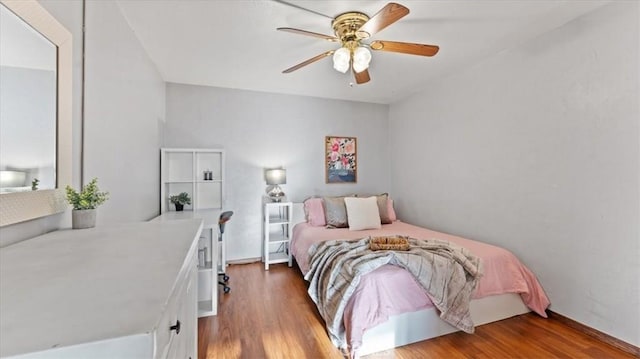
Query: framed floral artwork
{"type": "Point", "coordinates": [341, 160]}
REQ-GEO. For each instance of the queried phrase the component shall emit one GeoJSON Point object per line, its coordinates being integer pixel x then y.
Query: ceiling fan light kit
{"type": "Point", "coordinates": [351, 29]}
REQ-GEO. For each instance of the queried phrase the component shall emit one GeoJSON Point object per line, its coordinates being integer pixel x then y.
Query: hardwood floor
{"type": "Point", "coordinates": [268, 314]}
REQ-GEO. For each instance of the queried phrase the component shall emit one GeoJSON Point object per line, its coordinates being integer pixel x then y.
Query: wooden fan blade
{"type": "Point", "coordinates": [405, 48]}
{"type": "Point", "coordinates": [309, 33]}
{"type": "Point", "coordinates": [310, 61]}
{"type": "Point", "coordinates": [389, 14]}
{"type": "Point", "coordinates": [362, 77]}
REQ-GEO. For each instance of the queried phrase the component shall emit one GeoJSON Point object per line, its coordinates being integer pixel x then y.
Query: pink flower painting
{"type": "Point", "coordinates": [341, 159]}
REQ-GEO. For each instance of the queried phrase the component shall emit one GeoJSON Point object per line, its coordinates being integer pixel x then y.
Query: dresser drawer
{"type": "Point", "coordinates": [175, 322]}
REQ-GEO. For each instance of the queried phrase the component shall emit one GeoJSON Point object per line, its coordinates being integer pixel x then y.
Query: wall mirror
{"type": "Point", "coordinates": [35, 112]}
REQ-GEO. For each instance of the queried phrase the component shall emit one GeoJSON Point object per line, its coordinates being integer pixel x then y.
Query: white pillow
{"type": "Point", "coordinates": [362, 213]}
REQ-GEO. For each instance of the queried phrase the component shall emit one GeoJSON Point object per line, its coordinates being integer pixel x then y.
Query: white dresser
{"type": "Point", "coordinates": [125, 291]}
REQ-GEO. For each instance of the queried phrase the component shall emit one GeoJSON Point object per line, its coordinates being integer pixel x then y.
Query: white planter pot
{"type": "Point", "coordinates": [83, 218]}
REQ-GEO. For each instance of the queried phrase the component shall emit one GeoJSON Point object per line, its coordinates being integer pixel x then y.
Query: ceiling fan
{"type": "Point", "coordinates": [352, 30]}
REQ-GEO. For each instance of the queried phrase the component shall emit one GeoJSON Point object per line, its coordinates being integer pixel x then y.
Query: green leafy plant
{"type": "Point", "coordinates": [89, 198]}
{"type": "Point", "coordinates": [182, 198]}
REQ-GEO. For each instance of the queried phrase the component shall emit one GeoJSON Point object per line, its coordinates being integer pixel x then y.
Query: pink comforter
{"type": "Point", "coordinates": [376, 297]}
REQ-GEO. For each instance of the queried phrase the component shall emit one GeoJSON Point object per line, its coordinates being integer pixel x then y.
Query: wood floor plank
{"type": "Point", "coordinates": [268, 314]}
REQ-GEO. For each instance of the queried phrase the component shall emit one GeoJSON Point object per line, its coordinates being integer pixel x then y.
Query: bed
{"type": "Point", "coordinates": [389, 309]}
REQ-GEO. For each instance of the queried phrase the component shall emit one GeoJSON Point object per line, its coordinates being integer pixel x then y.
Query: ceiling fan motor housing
{"type": "Point", "coordinates": [346, 25]}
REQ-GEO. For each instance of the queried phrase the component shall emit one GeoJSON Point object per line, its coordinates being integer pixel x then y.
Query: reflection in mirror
{"type": "Point", "coordinates": [28, 86]}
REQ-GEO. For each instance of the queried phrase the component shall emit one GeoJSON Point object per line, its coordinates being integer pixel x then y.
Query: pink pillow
{"type": "Point", "coordinates": [314, 212]}
{"type": "Point", "coordinates": [391, 211]}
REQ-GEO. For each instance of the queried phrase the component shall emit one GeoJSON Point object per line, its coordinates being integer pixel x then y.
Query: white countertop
{"type": "Point", "coordinates": [78, 286]}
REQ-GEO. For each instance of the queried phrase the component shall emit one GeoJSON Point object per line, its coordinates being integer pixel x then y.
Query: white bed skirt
{"type": "Point", "coordinates": [424, 324]}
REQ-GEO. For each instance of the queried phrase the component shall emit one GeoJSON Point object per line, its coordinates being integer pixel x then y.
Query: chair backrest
{"type": "Point", "coordinates": [224, 218]}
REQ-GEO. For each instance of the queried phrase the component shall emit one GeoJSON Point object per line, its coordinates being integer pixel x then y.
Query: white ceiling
{"type": "Point", "coordinates": [234, 43]}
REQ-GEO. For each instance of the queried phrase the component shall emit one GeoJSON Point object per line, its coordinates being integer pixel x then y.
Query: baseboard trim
{"type": "Point", "coordinates": [622, 345]}
{"type": "Point", "coordinates": [245, 261]}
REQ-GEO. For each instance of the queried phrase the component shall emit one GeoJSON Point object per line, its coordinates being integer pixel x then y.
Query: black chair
{"type": "Point", "coordinates": [224, 218]}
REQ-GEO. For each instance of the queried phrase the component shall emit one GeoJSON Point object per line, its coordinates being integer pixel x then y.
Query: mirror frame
{"type": "Point", "coordinates": [23, 206]}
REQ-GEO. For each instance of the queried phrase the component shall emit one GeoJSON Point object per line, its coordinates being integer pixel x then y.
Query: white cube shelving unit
{"type": "Point", "coordinates": [183, 170]}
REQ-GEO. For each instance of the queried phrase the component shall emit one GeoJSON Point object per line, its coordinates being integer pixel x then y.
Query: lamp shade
{"type": "Point", "coordinates": [276, 176]}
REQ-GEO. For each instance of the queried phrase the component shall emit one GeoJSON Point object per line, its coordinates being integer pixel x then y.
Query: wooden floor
{"type": "Point", "coordinates": [268, 314]}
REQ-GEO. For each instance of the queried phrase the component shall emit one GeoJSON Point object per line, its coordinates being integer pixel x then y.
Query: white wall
{"type": "Point", "coordinates": [124, 104]}
{"type": "Point", "coordinates": [261, 130]}
{"type": "Point", "coordinates": [537, 150]}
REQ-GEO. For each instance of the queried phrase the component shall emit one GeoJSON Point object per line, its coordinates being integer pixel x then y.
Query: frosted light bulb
{"type": "Point", "coordinates": [361, 59]}
{"type": "Point", "coordinates": [341, 59]}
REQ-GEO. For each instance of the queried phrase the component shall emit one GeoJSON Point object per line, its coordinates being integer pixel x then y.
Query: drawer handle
{"type": "Point", "coordinates": [176, 327]}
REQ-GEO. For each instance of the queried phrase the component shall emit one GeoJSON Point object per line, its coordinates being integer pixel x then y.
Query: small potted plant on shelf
{"type": "Point", "coordinates": [85, 203]}
{"type": "Point", "coordinates": [180, 200]}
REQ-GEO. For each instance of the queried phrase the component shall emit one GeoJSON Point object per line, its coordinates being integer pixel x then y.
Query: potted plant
{"type": "Point", "coordinates": [85, 203]}
{"type": "Point", "coordinates": [180, 200]}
